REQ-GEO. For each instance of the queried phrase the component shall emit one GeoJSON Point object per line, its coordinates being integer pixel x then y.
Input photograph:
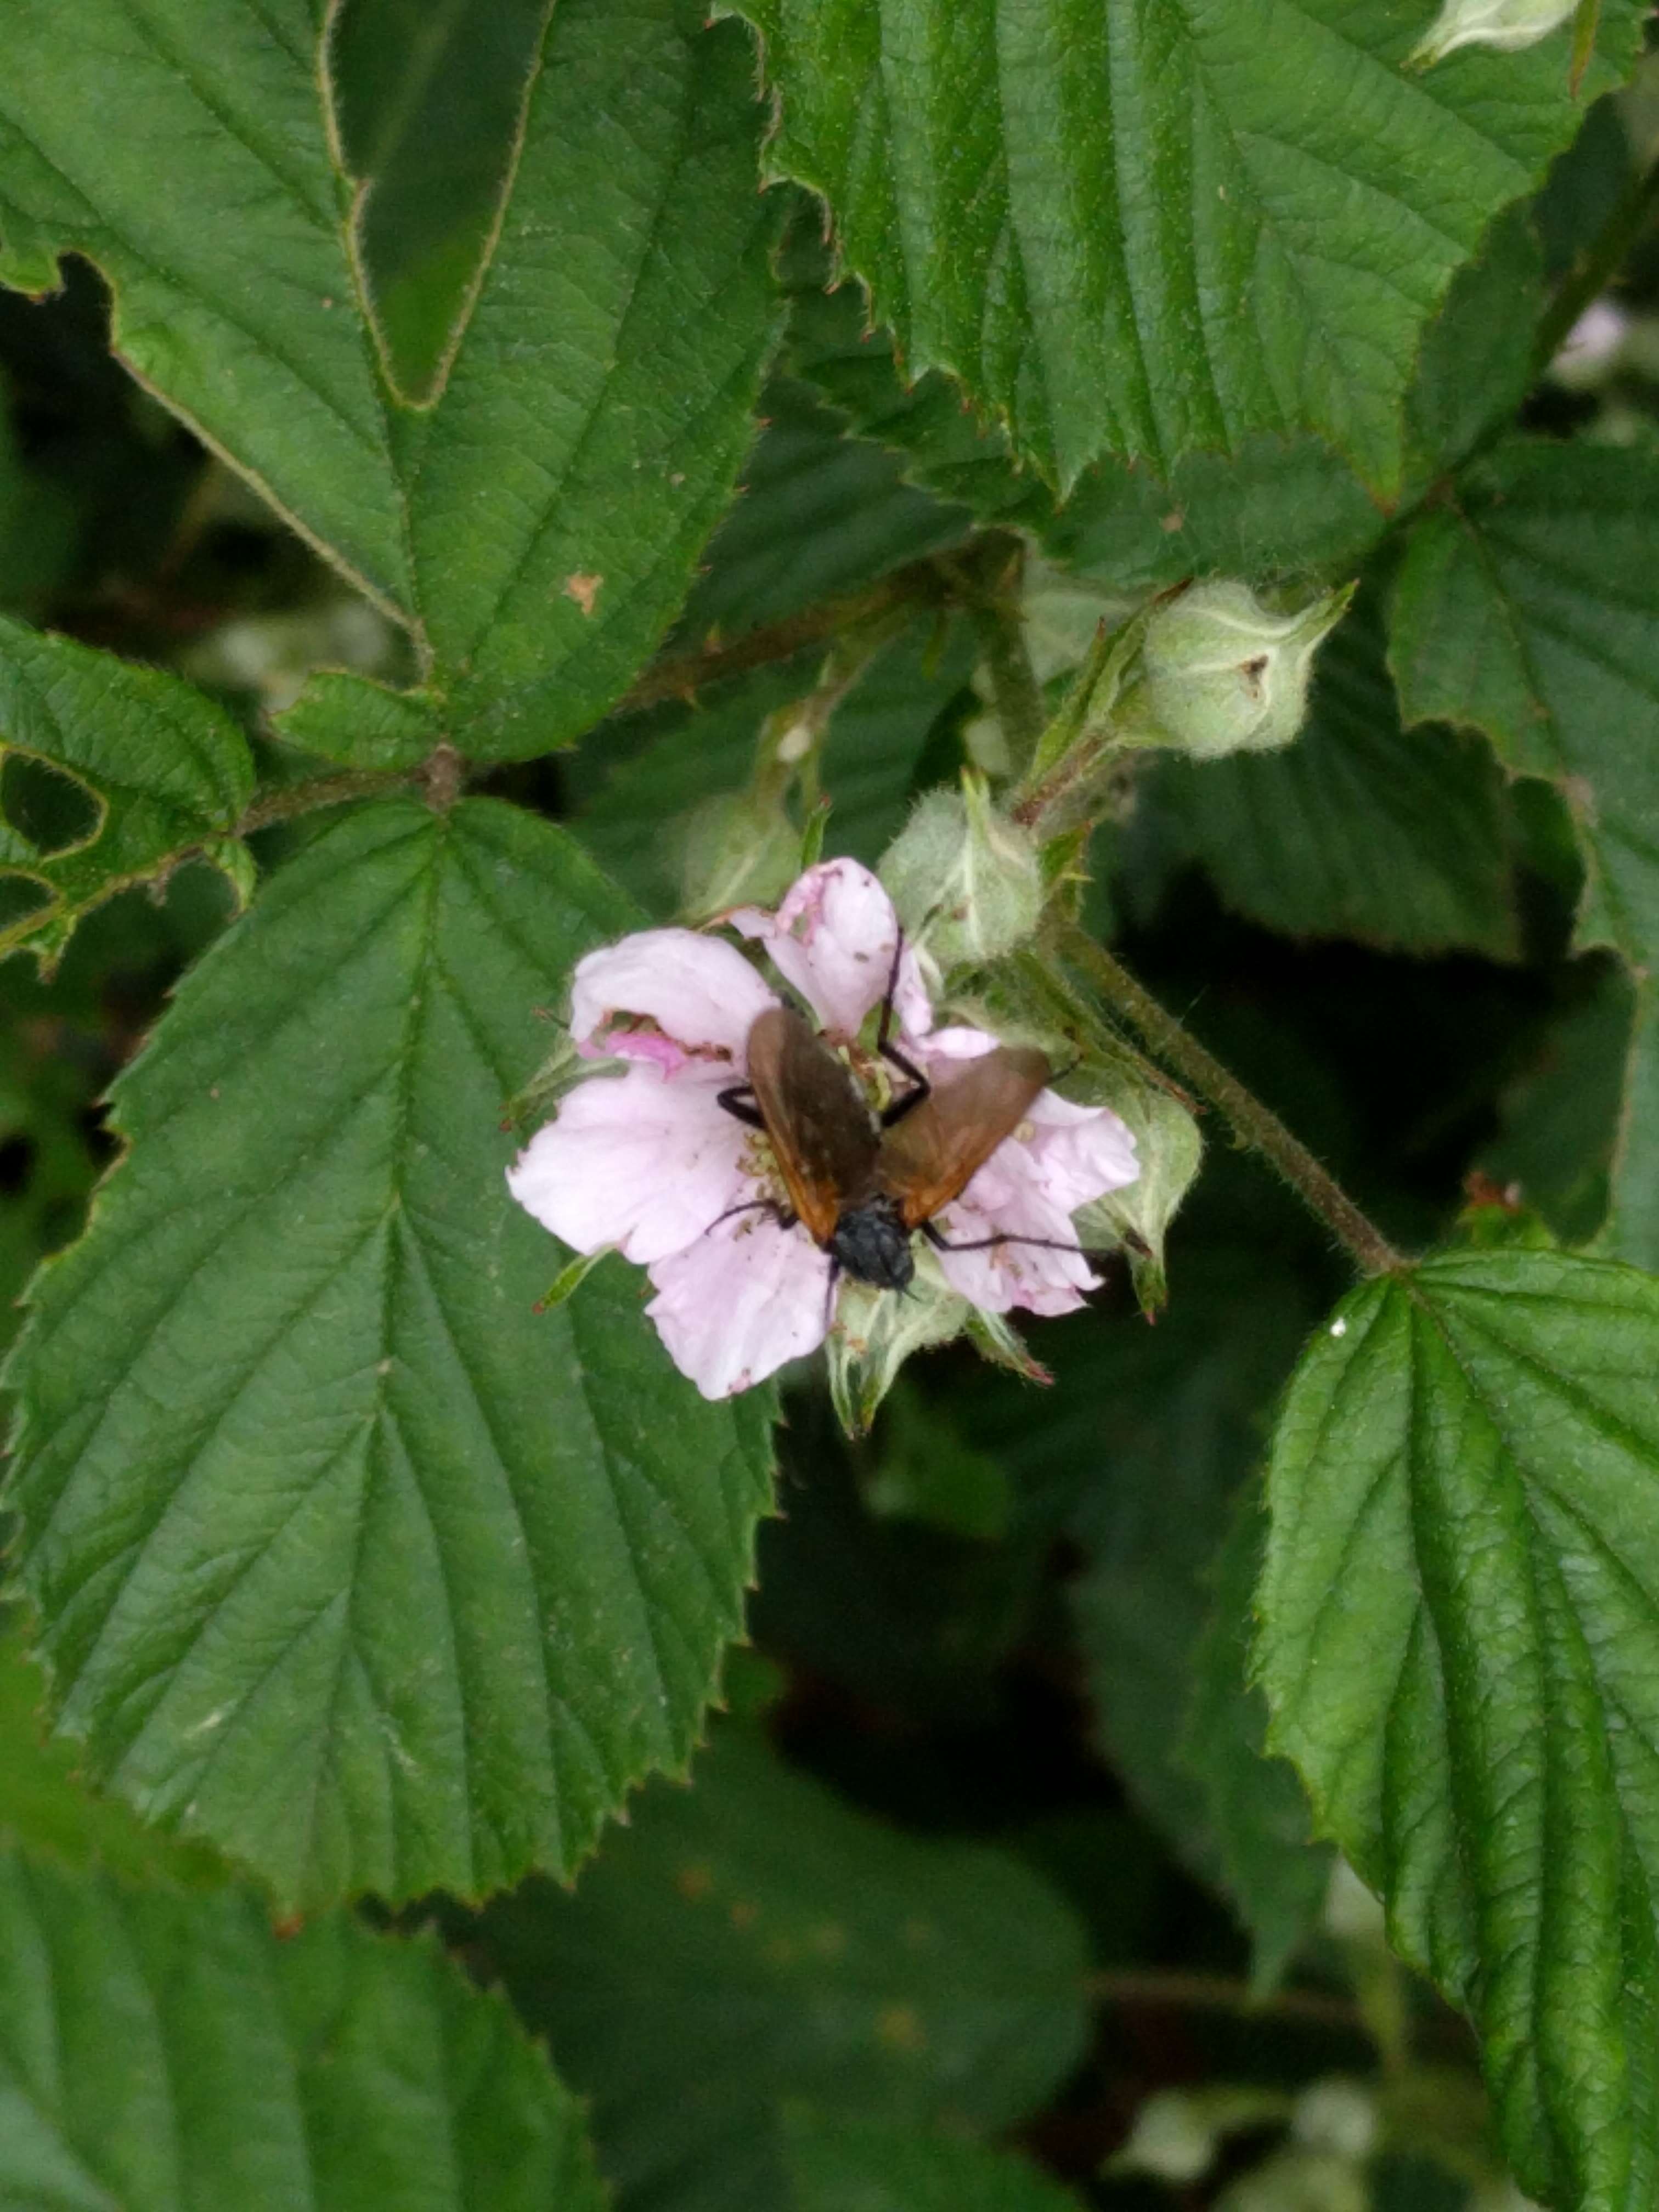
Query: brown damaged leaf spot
{"type": "Point", "coordinates": [583, 589]}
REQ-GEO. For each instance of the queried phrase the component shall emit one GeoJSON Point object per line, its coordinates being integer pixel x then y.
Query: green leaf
{"type": "Point", "coordinates": [1131, 235]}
{"type": "Point", "coordinates": [166, 774]}
{"type": "Point", "coordinates": [1558, 1121]}
{"type": "Point", "coordinates": [163, 2053]}
{"type": "Point", "coordinates": [1254, 1808]}
{"type": "Point", "coordinates": [430, 102]}
{"type": "Point", "coordinates": [352, 719]}
{"type": "Point", "coordinates": [1281, 508]}
{"type": "Point", "coordinates": [753, 1939]}
{"type": "Point", "coordinates": [233, 299]}
{"type": "Point", "coordinates": [1358, 829]}
{"type": "Point", "coordinates": [1476, 364]}
{"type": "Point", "coordinates": [1529, 607]}
{"type": "Point", "coordinates": [538, 525]}
{"type": "Point", "coordinates": [1460, 1642]}
{"type": "Point", "coordinates": [1277, 507]}
{"type": "Point", "coordinates": [1142, 1444]}
{"type": "Point", "coordinates": [831, 344]}
{"type": "Point", "coordinates": [598, 406]}
{"type": "Point", "coordinates": [347, 1559]}
{"type": "Point", "coordinates": [838, 2165]}
{"type": "Point", "coordinates": [819, 513]}
{"type": "Point", "coordinates": [45, 1808]}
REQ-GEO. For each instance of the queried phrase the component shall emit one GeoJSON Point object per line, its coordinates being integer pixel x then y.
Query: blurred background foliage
{"type": "Point", "coordinates": [994, 1717]}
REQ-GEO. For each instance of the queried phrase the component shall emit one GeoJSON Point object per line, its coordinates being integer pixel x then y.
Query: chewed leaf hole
{"type": "Point", "coordinates": [20, 898]}
{"type": "Point", "coordinates": [53, 811]}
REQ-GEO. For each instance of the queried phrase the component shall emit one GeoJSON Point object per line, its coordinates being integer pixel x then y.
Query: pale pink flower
{"type": "Point", "coordinates": [648, 1161]}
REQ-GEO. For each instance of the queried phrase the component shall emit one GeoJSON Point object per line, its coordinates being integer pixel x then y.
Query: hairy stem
{"type": "Point", "coordinates": [1599, 264]}
{"type": "Point", "coordinates": [296, 799]}
{"type": "Point", "coordinates": [921, 584]}
{"type": "Point", "coordinates": [1254, 1124]}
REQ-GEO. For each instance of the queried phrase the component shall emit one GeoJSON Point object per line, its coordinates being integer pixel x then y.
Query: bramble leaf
{"type": "Point", "coordinates": [840, 2165]}
{"type": "Point", "coordinates": [1149, 234]}
{"type": "Point", "coordinates": [1358, 829]}
{"type": "Point", "coordinates": [1528, 606]}
{"type": "Point", "coordinates": [598, 406]}
{"type": "Point", "coordinates": [1144, 1440]}
{"type": "Point", "coordinates": [819, 513]}
{"type": "Point", "coordinates": [46, 1810]}
{"type": "Point", "coordinates": [752, 1939]}
{"type": "Point", "coordinates": [233, 292]}
{"type": "Point", "coordinates": [347, 1560]}
{"type": "Point", "coordinates": [1460, 1642]}
{"type": "Point", "coordinates": [166, 774]}
{"type": "Point", "coordinates": [538, 524]}
{"type": "Point", "coordinates": [1254, 1806]}
{"type": "Point", "coordinates": [429, 103]}
{"type": "Point", "coordinates": [164, 2051]}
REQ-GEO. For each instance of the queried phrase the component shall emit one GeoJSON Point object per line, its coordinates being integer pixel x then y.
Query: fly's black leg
{"type": "Point", "coordinates": [898, 1107]}
{"type": "Point", "coordinates": [781, 1214]}
{"type": "Point", "coordinates": [738, 1100]}
{"type": "Point", "coordinates": [829, 1295]}
{"type": "Point", "coordinates": [985, 1243]}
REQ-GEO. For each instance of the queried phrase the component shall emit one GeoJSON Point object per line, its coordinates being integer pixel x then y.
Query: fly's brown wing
{"type": "Point", "coordinates": [820, 1128]}
{"type": "Point", "coordinates": [927, 1157]}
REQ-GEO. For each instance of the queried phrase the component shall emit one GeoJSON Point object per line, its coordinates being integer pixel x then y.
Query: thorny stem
{"type": "Point", "coordinates": [1257, 1125]}
{"type": "Point", "coordinates": [921, 584]}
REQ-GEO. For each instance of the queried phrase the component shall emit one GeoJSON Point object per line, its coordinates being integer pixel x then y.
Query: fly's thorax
{"type": "Point", "coordinates": [872, 1244]}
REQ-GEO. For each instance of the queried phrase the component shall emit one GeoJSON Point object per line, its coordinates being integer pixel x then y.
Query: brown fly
{"type": "Point", "coordinates": [861, 1184]}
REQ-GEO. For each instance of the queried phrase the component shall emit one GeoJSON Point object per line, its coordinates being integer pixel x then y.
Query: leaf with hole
{"type": "Point", "coordinates": [347, 1560]}
{"type": "Point", "coordinates": [148, 774]}
{"type": "Point", "coordinates": [1460, 1642]}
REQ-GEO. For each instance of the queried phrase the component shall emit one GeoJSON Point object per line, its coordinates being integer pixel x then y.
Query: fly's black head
{"type": "Point", "coordinates": [872, 1244]}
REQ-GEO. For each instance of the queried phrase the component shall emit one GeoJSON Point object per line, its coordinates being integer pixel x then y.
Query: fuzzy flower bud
{"type": "Point", "coordinates": [1218, 673]}
{"type": "Point", "coordinates": [967, 882]}
{"type": "Point", "coordinates": [1506, 24]}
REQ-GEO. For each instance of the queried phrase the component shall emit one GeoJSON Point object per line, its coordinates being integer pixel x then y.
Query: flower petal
{"type": "Point", "coordinates": [740, 1302]}
{"type": "Point", "coordinates": [641, 1161]}
{"type": "Point", "coordinates": [833, 939]}
{"type": "Point", "coordinates": [699, 990]}
{"type": "Point", "coordinates": [1063, 1157]}
{"type": "Point", "coordinates": [1080, 1153]}
{"type": "Point", "coordinates": [1032, 1275]}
